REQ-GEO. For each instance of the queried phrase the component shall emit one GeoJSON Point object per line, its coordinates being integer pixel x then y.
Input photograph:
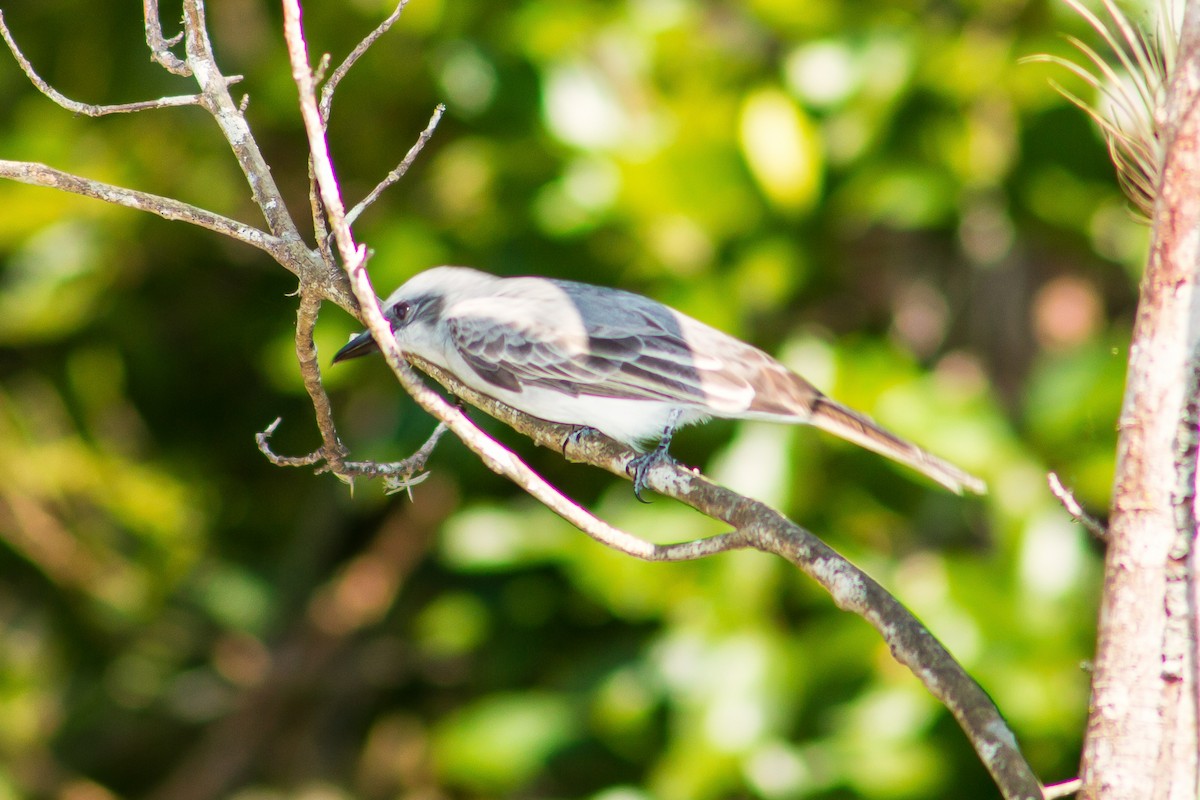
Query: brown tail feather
{"type": "Point", "coordinates": [857, 428]}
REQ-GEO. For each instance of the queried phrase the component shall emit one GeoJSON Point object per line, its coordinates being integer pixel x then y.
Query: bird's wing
{"type": "Point", "coordinates": [636, 351]}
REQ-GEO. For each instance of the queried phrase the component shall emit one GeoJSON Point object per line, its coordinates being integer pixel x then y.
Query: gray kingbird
{"type": "Point", "coordinates": [617, 362]}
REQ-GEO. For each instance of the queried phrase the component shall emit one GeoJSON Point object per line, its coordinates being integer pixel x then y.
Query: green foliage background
{"type": "Point", "coordinates": [875, 191]}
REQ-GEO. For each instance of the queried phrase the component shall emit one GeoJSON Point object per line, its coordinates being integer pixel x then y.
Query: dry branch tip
{"type": "Point", "coordinates": [1067, 498]}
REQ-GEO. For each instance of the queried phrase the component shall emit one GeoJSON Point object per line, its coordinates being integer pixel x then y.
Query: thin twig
{"type": "Point", "coordinates": [327, 185]}
{"type": "Point", "coordinates": [264, 445]}
{"type": "Point", "coordinates": [1065, 789]}
{"type": "Point", "coordinates": [159, 45]}
{"type": "Point", "coordinates": [292, 255]}
{"type": "Point", "coordinates": [401, 168]}
{"type": "Point", "coordinates": [414, 463]}
{"type": "Point", "coordinates": [320, 226]}
{"type": "Point", "coordinates": [397, 475]}
{"type": "Point", "coordinates": [310, 371]}
{"type": "Point", "coordinates": [340, 72]}
{"type": "Point", "coordinates": [283, 242]}
{"type": "Point", "coordinates": [88, 109]}
{"type": "Point", "coordinates": [1067, 498]}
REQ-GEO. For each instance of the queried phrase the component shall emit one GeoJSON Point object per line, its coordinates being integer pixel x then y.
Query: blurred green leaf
{"type": "Point", "coordinates": [501, 742]}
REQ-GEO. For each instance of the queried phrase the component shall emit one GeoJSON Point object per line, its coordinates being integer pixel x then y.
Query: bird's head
{"type": "Point", "coordinates": [415, 311]}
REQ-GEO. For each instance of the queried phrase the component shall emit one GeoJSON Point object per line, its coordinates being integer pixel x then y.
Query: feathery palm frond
{"type": "Point", "coordinates": [1130, 92]}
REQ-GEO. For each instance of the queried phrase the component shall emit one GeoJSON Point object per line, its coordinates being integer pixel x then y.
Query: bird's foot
{"type": "Point", "coordinates": [639, 468]}
{"type": "Point", "coordinates": [576, 436]}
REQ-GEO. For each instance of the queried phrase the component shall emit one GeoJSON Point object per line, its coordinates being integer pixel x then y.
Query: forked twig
{"type": "Point", "coordinates": [264, 445]}
{"type": "Point", "coordinates": [397, 475]}
{"type": "Point", "coordinates": [89, 109]}
{"type": "Point", "coordinates": [340, 71]}
{"type": "Point", "coordinates": [160, 47]}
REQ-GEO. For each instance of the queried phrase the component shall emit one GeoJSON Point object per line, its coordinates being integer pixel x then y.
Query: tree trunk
{"type": "Point", "coordinates": [1142, 731]}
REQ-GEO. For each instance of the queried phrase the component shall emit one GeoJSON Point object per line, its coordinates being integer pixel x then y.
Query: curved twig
{"type": "Point", "coordinates": [160, 46]}
{"type": "Point", "coordinates": [263, 439]}
{"type": "Point", "coordinates": [88, 109]}
{"type": "Point", "coordinates": [310, 370]}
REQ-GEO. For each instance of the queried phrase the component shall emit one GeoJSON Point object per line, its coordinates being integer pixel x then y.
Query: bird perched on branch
{"type": "Point", "coordinates": [617, 362]}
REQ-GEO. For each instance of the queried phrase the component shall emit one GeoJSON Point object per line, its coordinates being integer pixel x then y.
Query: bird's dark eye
{"type": "Point", "coordinates": [400, 311]}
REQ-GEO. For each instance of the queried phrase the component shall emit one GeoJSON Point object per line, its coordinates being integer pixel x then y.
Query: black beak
{"type": "Point", "coordinates": [360, 345]}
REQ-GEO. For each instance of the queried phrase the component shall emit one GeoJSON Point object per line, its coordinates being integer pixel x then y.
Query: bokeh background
{"type": "Point", "coordinates": [878, 192]}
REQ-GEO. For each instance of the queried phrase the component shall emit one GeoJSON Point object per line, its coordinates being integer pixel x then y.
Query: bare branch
{"type": "Point", "coordinates": [401, 168]}
{"type": "Point", "coordinates": [494, 455]}
{"type": "Point", "coordinates": [292, 255]}
{"type": "Point", "coordinates": [1067, 498]}
{"type": "Point", "coordinates": [310, 370]}
{"type": "Point", "coordinates": [36, 174]}
{"type": "Point", "coordinates": [228, 115]}
{"type": "Point", "coordinates": [396, 475]}
{"type": "Point", "coordinates": [160, 46]}
{"type": "Point", "coordinates": [314, 126]}
{"type": "Point", "coordinates": [283, 241]}
{"type": "Point", "coordinates": [340, 72]}
{"type": "Point", "coordinates": [89, 109]}
{"type": "Point", "coordinates": [320, 226]}
{"type": "Point", "coordinates": [761, 527]}
{"type": "Point", "coordinates": [332, 454]}
{"type": "Point", "coordinates": [264, 445]}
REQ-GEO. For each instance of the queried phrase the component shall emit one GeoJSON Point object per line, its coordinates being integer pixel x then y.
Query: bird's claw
{"type": "Point", "coordinates": [576, 436]}
{"type": "Point", "coordinates": [639, 468]}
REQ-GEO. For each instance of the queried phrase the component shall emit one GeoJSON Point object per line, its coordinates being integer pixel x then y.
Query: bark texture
{"type": "Point", "coordinates": [1142, 736]}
